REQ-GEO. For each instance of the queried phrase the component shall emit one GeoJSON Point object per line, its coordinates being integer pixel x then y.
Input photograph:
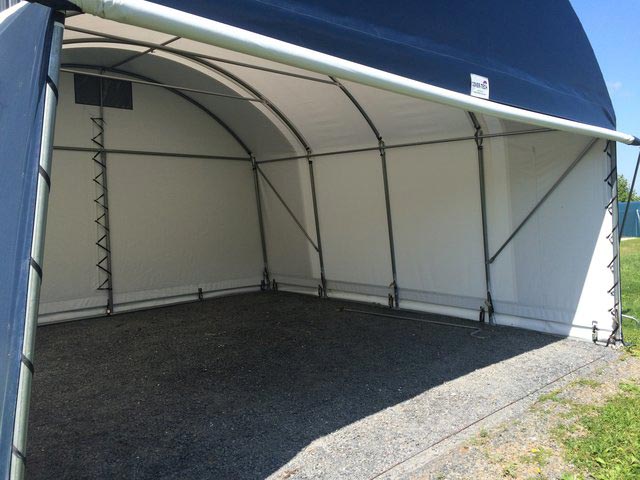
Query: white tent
{"type": "Point", "coordinates": [403, 220]}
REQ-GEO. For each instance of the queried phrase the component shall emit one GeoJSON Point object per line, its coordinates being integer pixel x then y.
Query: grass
{"type": "Point", "coordinates": [604, 441]}
{"type": "Point", "coordinates": [630, 273]}
{"type": "Point", "coordinates": [585, 382]}
{"type": "Point", "coordinates": [608, 447]}
{"type": "Point", "coordinates": [537, 456]}
{"type": "Point", "coordinates": [552, 396]}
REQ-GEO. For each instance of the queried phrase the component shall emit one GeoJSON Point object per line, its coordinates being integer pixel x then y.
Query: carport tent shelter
{"type": "Point", "coordinates": [410, 156]}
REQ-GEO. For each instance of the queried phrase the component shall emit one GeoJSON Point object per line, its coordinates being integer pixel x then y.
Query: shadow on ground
{"type": "Point", "coordinates": [233, 387]}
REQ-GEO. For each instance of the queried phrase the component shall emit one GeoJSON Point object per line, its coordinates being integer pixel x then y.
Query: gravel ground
{"type": "Point", "coordinates": [274, 385]}
{"type": "Point", "coordinates": [527, 448]}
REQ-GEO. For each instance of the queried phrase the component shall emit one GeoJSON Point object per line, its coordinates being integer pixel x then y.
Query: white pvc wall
{"type": "Point", "coordinates": [177, 224]}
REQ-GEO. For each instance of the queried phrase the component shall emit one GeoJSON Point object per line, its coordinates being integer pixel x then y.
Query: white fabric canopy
{"type": "Point", "coordinates": [183, 224]}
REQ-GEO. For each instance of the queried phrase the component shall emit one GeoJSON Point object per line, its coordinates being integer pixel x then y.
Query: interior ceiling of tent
{"type": "Point", "coordinates": [270, 114]}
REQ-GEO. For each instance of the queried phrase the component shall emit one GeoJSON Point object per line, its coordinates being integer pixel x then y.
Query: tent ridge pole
{"type": "Point", "coordinates": [266, 280]}
{"type": "Point", "coordinates": [479, 137]}
{"type": "Point", "coordinates": [544, 198]}
{"type": "Point", "coordinates": [314, 198]}
{"type": "Point", "coordinates": [19, 440]}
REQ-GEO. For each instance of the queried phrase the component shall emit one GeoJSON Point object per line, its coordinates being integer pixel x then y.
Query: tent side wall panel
{"type": "Point", "coordinates": [193, 225]}
{"type": "Point", "coordinates": [435, 199]}
{"type": "Point", "coordinates": [353, 223]}
{"type": "Point", "coordinates": [293, 262]}
{"type": "Point", "coordinates": [70, 250]}
{"type": "Point", "coordinates": [177, 224]}
{"type": "Point", "coordinates": [553, 276]}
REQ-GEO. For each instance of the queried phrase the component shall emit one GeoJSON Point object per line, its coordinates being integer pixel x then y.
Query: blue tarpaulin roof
{"type": "Point", "coordinates": [535, 53]}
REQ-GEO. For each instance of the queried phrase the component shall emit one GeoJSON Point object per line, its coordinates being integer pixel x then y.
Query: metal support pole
{"type": "Point", "coordinates": [392, 248]}
{"type": "Point", "coordinates": [102, 202]}
{"type": "Point", "coordinates": [323, 279]}
{"type": "Point", "coordinates": [483, 209]}
{"type": "Point", "coordinates": [120, 151]}
{"type": "Point", "coordinates": [18, 457]}
{"type": "Point", "coordinates": [266, 281]}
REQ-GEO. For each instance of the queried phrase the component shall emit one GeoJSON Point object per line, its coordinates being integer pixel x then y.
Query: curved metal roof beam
{"type": "Point", "coordinates": [359, 107]}
{"type": "Point", "coordinates": [196, 59]}
{"type": "Point", "coordinates": [192, 101]}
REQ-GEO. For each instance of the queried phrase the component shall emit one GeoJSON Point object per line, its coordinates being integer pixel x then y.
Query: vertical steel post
{"type": "Point", "coordinates": [266, 281]}
{"type": "Point", "coordinates": [18, 456]}
{"type": "Point", "coordinates": [483, 212]}
{"type": "Point", "coordinates": [392, 247]}
{"type": "Point", "coordinates": [312, 179]}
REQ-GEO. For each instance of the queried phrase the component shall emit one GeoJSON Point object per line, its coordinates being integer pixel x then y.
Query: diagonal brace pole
{"type": "Point", "coordinates": [545, 197]}
{"type": "Point", "coordinates": [289, 211]}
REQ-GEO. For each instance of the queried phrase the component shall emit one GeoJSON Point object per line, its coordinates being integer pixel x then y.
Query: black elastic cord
{"type": "Point", "coordinates": [36, 267]}
{"type": "Point", "coordinates": [19, 454]}
{"type": "Point", "coordinates": [27, 363]}
{"type": "Point", "coordinates": [45, 176]}
{"type": "Point", "coordinates": [53, 86]}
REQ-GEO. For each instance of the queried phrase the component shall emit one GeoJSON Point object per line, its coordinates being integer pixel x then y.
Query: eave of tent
{"type": "Point", "coordinates": [175, 22]}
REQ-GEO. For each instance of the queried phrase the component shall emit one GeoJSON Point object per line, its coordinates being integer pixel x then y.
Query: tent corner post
{"type": "Point", "coordinates": [314, 199]}
{"type": "Point", "coordinates": [19, 439]}
{"type": "Point", "coordinates": [479, 140]}
{"type": "Point", "coordinates": [266, 280]}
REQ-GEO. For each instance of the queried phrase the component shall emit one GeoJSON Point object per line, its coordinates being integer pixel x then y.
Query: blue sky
{"type": "Point", "coordinates": [613, 26]}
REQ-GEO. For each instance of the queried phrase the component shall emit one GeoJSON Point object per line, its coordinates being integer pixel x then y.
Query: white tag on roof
{"type": "Point", "coordinates": [479, 86]}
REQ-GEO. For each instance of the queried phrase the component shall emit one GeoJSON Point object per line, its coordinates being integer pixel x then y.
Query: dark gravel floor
{"type": "Point", "coordinates": [265, 384]}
